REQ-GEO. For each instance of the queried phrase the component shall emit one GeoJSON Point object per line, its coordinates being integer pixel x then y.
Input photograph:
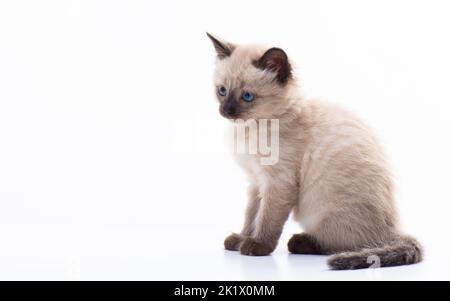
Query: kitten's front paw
{"type": "Point", "coordinates": [251, 247]}
{"type": "Point", "coordinates": [232, 242]}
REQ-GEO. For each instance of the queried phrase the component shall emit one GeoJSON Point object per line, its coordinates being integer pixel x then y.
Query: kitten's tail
{"type": "Point", "coordinates": [403, 250]}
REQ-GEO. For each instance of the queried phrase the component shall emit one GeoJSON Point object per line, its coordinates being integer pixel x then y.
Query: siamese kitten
{"type": "Point", "coordinates": [331, 172]}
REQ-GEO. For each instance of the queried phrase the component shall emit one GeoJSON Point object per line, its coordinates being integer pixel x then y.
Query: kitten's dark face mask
{"type": "Point", "coordinates": [235, 103]}
{"type": "Point", "coordinates": [230, 108]}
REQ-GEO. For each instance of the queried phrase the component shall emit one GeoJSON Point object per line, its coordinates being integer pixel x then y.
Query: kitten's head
{"type": "Point", "coordinates": [251, 82]}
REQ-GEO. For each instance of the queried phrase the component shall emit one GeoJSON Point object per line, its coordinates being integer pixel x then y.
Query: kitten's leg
{"type": "Point", "coordinates": [275, 205]}
{"type": "Point", "coordinates": [304, 243]}
{"type": "Point", "coordinates": [233, 241]}
{"type": "Point", "coordinates": [254, 201]}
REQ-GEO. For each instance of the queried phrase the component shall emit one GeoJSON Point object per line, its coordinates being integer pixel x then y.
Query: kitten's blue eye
{"type": "Point", "coordinates": [222, 91]}
{"type": "Point", "coordinates": [248, 97]}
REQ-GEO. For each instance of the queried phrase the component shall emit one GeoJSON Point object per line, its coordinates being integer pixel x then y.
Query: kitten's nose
{"type": "Point", "coordinates": [230, 107]}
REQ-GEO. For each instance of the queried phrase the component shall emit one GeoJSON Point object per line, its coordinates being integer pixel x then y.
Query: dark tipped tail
{"type": "Point", "coordinates": [404, 250]}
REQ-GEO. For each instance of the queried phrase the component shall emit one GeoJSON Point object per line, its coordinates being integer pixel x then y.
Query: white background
{"type": "Point", "coordinates": [112, 156]}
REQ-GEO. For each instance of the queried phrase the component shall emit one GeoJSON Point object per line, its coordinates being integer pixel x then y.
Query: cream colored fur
{"type": "Point", "coordinates": [331, 174]}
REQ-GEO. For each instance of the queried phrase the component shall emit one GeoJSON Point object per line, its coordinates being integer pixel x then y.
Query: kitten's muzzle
{"type": "Point", "coordinates": [230, 108]}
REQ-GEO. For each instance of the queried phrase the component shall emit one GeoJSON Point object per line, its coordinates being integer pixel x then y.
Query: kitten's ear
{"type": "Point", "coordinates": [223, 49]}
{"type": "Point", "coordinates": [275, 60]}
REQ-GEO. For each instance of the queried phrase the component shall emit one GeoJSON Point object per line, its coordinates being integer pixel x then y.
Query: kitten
{"type": "Point", "coordinates": [331, 173]}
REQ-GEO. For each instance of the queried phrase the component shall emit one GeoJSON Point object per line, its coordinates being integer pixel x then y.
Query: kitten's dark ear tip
{"type": "Point", "coordinates": [276, 60]}
{"type": "Point", "coordinates": [223, 48]}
